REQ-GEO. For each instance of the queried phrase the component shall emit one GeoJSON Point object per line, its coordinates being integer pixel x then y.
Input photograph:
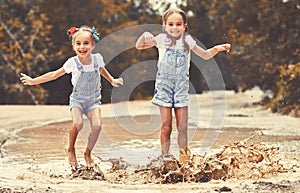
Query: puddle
{"type": "Point", "coordinates": [130, 156]}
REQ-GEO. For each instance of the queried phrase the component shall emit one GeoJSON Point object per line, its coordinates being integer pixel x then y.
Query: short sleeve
{"type": "Point", "coordinates": [190, 41]}
{"type": "Point", "coordinates": [69, 65]}
{"type": "Point", "coordinates": [160, 38]}
{"type": "Point", "coordinates": [100, 60]}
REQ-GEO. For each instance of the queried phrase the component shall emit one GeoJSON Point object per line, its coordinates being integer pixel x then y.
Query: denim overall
{"type": "Point", "coordinates": [172, 79]}
{"type": "Point", "coordinates": [87, 92]}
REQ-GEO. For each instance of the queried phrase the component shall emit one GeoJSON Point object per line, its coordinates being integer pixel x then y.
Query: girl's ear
{"type": "Point", "coordinates": [186, 27]}
{"type": "Point", "coordinates": [163, 28]}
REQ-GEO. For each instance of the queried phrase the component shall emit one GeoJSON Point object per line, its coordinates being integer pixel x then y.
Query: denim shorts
{"type": "Point", "coordinates": [171, 92]}
{"type": "Point", "coordinates": [85, 104]}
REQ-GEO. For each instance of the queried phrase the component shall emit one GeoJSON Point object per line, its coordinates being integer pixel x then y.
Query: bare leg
{"type": "Point", "coordinates": [166, 128]}
{"type": "Point", "coordinates": [76, 127]}
{"type": "Point", "coordinates": [96, 124]}
{"type": "Point", "coordinates": [181, 115]}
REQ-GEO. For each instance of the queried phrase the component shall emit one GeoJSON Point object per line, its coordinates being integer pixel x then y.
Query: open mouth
{"type": "Point", "coordinates": [82, 51]}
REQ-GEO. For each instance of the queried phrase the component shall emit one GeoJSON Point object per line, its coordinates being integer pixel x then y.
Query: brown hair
{"type": "Point", "coordinates": [165, 17]}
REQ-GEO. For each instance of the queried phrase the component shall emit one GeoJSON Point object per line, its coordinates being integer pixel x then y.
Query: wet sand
{"type": "Point", "coordinates": [34, 159]}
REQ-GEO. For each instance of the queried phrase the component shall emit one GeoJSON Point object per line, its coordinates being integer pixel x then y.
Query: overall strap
{"type": "Point", "coordinates": [96, 66]}
{"type": "Point", "coordinates": [79, 66]}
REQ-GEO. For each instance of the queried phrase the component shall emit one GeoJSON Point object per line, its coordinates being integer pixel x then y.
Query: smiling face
{"type": "Point", "coordinates": [175, 25]}
{"type": "Point", "coordinates": [83, 44]}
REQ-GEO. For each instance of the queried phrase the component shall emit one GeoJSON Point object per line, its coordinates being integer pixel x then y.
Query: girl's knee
{"type": "Point", "coordinates": [96, 128]}
{"type": "Point", "coordinates": [78, 125]}
{"type": "Point", "coordinates": [166, 130]}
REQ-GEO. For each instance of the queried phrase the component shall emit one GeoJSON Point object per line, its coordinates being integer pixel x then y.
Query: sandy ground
{"type": "Point", "coordinates": [33, 139]}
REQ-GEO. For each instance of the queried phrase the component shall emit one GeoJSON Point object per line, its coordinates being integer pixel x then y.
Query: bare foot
{"type": "Point", "coordinates": [72, 158]}
{"type": "Point", "coordinates": [89, 161]}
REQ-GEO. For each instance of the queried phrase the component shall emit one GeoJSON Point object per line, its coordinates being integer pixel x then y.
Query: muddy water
{"type": "Point", "coordinates": [38, 155]}
{"type": "Point", "coordinates": [135, 145]}
{"type": "Point", "coordinates": [42, 145]}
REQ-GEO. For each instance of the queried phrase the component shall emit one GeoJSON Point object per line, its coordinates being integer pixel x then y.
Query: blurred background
{"type": "Point", "coordinates": [265, 38]}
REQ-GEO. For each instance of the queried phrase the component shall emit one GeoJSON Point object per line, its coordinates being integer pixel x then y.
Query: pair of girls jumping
{"type": "Point", "coordinates": [171, 87]}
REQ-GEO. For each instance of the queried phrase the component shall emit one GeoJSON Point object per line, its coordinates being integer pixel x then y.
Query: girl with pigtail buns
{"type": "Point", "coordinates": [172, 79]}
{"type": "Point", "coordinates": [86, 69]}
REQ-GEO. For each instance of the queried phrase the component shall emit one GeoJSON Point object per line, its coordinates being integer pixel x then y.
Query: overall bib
{"type": "Point", "coordinates": [87, 92]}
{"type": "Point", "coordinates": [172, 79]}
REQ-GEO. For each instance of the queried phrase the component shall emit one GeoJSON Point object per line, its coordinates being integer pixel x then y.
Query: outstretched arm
{"type": "Point", "coordinates": [211, 52]}
{"type": "Point", "coordinates": [27, 80]}
{"type": "Point", "coordinates": [146, 40]}
{"type": "Point", "coordinates": [114, 82]}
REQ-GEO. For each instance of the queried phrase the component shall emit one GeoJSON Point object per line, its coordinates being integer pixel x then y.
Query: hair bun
{"type": "Point", "coordinates": [72, 30]}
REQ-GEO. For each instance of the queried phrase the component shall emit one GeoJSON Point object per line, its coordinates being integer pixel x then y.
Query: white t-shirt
{"type": "Point", "coordinates": [71, 67]}
{"type": "Point", "coordinates": [163, 42]}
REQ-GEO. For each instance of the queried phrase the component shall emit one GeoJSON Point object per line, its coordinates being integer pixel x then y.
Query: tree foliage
{"type": "Point", "coordinates": [265, 44]}
{"type": "Point", "coordinates": [287, 94]}
{"type": "Point", "coordinates": [24, 46]}
{"type": "Point", "coordinates": [264, 36]}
